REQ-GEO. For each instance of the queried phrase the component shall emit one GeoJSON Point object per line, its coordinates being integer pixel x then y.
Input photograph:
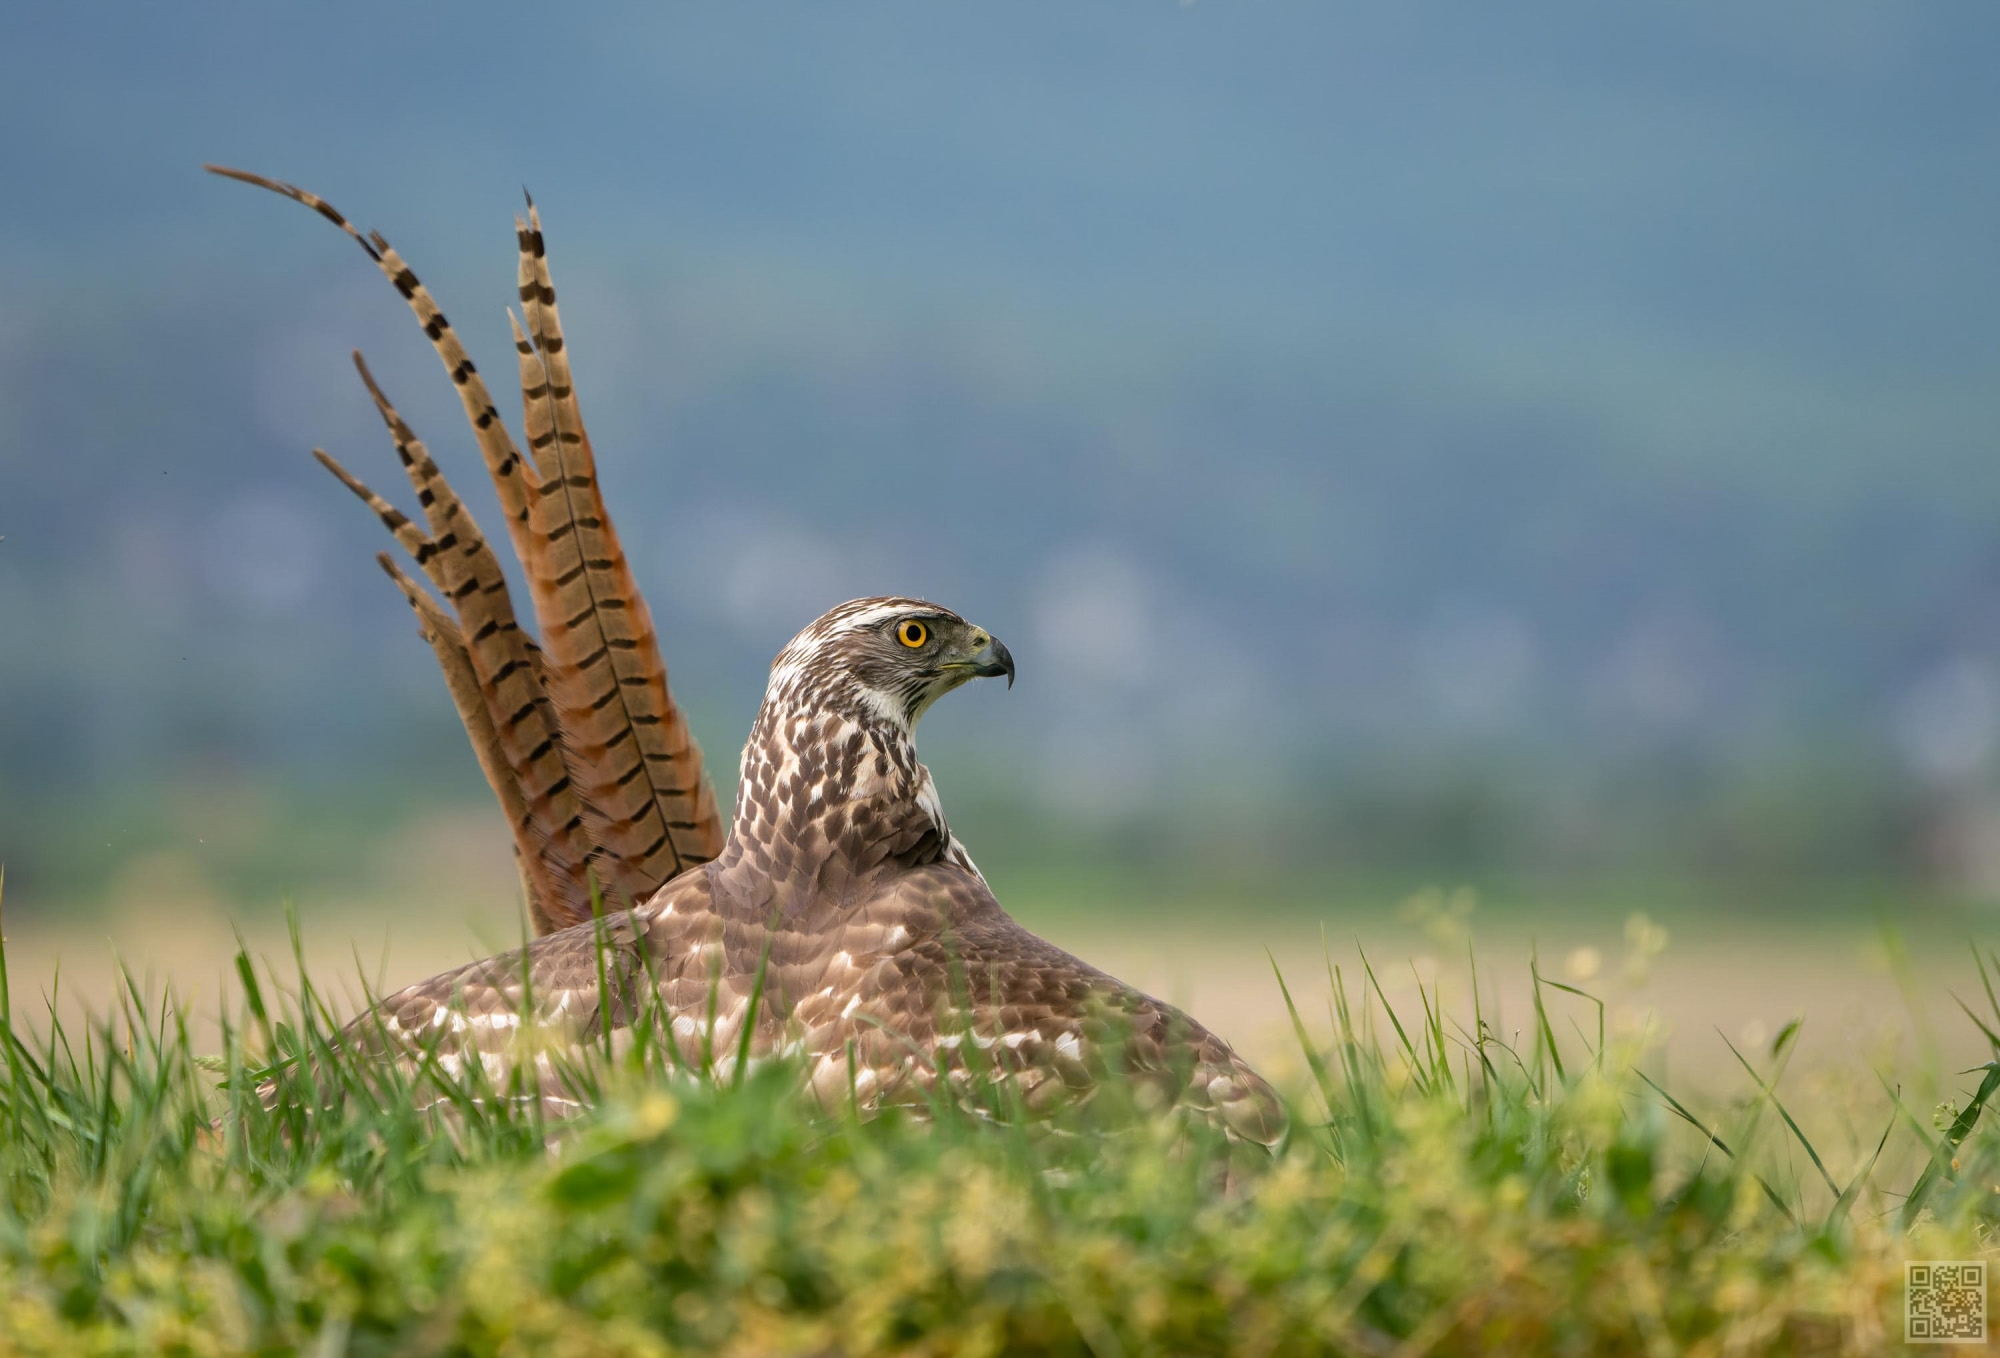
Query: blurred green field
{"type": "Point", "coordinates": [1457, 1181]}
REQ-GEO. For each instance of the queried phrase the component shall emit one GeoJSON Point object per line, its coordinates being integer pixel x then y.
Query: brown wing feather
{"type": "Point", "coordinates": [950, 988]}
{"type": "Point", "coordinates": [540, 1007]}
{"type": "Point", "coordinates": [929, 984]}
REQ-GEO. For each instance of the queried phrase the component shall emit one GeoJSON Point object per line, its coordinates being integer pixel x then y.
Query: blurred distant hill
{"type": "Point", "coordinates": [1400, 435]}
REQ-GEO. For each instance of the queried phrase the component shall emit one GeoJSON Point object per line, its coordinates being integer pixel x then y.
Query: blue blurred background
{"type": "Point", "coordinates": [1400, 443]}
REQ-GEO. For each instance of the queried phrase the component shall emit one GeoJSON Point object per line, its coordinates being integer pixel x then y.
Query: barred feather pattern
{"type": "Point", "coordinates": [447, 643]}
{"type": "Point", "coordinates": [547, 825]}
{"type": "Point", "coordinates": [496, 445]}
{"type": "Point", "coordinates": [645, 777]}
{"type": "Point", "coordinates": [465, 570]}
{"type": "Point", "coordinates": [631, 745]}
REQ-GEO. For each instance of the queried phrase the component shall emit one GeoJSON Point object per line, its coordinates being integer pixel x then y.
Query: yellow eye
{"type": "Point", "coordinates": [913, 634]}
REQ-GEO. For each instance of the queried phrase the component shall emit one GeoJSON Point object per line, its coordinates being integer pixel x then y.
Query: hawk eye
{"type": "Point", "coordinates": [913, 633]}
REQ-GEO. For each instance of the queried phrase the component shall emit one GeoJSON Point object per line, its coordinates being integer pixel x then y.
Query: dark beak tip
{"type": "Point", "coordinates": [1001, 662]}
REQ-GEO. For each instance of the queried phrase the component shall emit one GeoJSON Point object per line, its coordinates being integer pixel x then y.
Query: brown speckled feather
{"type": "Point", "coordinates": [889, 967]}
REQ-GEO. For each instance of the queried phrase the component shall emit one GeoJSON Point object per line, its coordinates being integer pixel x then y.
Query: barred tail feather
{"type": "Point", "coordinates": [515, 745]}
{"type": "Point", "coordinates": [586, 736]}
{"type": "Point", "coordinates": [496, 445]}
{"type": "Point", "coordinates": [642, 768]}
{"type": "Point", "coordinates": [448, 645]}
{"type": "Point", "coordinates": [409, 537]}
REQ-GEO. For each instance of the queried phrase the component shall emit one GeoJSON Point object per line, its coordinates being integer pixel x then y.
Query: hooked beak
{"type": "Point", "coordinates": [989, 660]}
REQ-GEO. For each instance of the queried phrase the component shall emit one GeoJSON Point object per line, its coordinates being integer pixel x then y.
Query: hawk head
{"type": "Point", "coordinates": [882, 660]}
{"type": "Point", "coordinates": [831, 784]}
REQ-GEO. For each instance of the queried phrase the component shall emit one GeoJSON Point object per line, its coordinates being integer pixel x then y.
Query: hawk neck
{"type": "Point", "coordinates": [832, 802]}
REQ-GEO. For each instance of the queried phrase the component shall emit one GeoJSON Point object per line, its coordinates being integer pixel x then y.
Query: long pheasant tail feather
{"type": "Point", "coordinates": [555, 859]}
{"type": "Point", "coordinates": [496, 445]}
{"type": "Point", "coordinates": [298, 195]}
{"type": "Point", "coordinates": [457, 560]}
{"type": "Point", "coordinates": [409, 537]}
{"type": "Point", "coordinates": [593, 716]}
{"type": "Point", "coordinates": [468, 696]}
{"type": "Point", "coordinates": [462, 566]}
{"type": "Point", "coordinates": [638, 763]}
{"type": "Point", "coordinates": [451, 523]}
{"type": "Point", "coordinates": [621, 816]}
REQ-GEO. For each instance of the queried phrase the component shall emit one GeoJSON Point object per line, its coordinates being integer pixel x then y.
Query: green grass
{"type": "Point", "coordinates": [1444, 1191]}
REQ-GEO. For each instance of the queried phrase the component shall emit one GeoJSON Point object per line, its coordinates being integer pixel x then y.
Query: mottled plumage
{"type": "Point", "coordinates": [887, 963]}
